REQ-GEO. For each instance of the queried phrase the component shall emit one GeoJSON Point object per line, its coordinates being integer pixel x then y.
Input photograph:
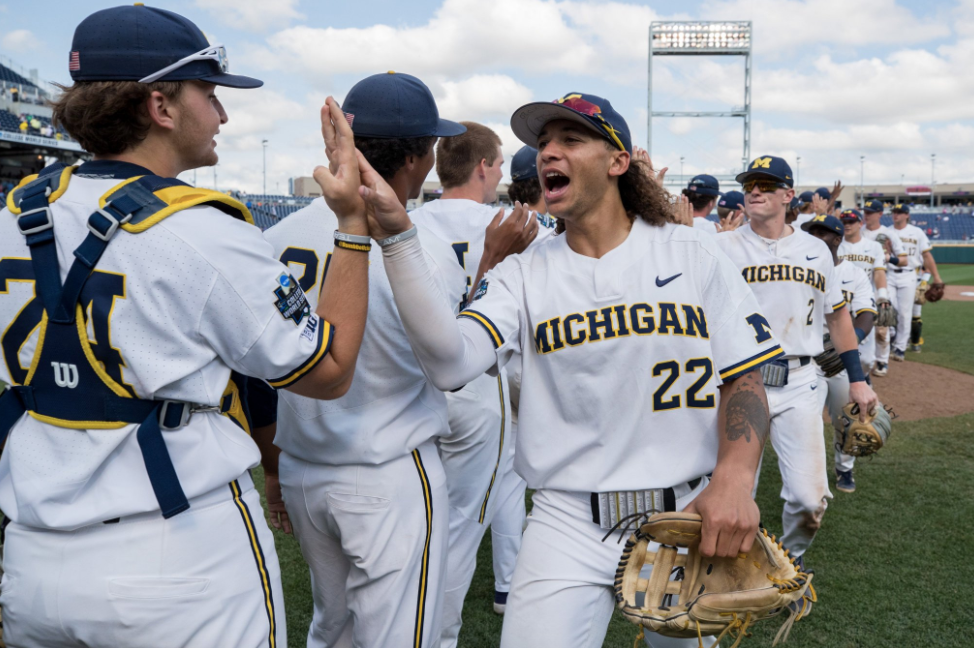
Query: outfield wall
{"type": "Point", "coordinates": [953, 253]}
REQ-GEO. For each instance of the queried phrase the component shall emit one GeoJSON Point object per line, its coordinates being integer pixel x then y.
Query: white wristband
{"type": "Point", "coordinates": [882, 293]}
{"type": "Point", "coordinates": [396, 238]}
{"type": "Point", "coordinates": [925, 277]}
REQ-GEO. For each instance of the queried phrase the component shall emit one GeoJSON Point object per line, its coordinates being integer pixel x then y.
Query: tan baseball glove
{"type": "Point", "coordinates": [920, 296]}
{"type": "Point", "coordinates": [690, 595]}
{"type": "Point", "coordinates": [829, 360]}
{"type": "Point", "coordinates": [886, 313]}
{"type": "Point", "coordinates": [858, 439]}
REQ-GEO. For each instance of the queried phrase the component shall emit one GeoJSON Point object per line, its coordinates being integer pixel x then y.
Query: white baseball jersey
{"type": "Point", "coordinates": [856, 289]}
{"type": "Point", "coordinates": [915, 242]}
{"type": "Point", "coordinates": [704, 225]}
{"type": "Point", "coordinates": [898, 248]}
{"type": "Point", "coordinates": [802, 219]}
{"type": "Point", "coordinates": [793, 281]}
{"type": "Point", "coordinates": [170, 313]}
{"type": "Point", "coordinates": [391, 408]}
{"type": "Point", "coordinates": [656, 324]}
{"type": "Point", "coordinates": [867, 254]}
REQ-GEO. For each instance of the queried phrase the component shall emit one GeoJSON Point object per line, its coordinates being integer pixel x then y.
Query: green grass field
{"type": "Point", "coordinates": [893, 562]}
{"type": "Point", "coordinates": [957, 274]}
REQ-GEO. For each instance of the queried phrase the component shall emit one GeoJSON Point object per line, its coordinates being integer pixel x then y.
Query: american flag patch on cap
{"type": "Point", "coordinates": [74, 65]}
{"type": "Point", "coordinates": [349, 117]}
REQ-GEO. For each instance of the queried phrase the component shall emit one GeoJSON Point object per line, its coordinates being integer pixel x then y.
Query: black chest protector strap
{"type": "Point", "coordinates": [66, 385]}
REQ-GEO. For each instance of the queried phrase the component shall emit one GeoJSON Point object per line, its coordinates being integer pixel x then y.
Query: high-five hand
{"type": "Point", "coordinates": [340, 180]}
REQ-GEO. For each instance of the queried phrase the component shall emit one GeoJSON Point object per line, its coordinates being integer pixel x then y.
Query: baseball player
{"type": "Point", "coordinates": [703, 192]}
{"type": "Point", "coordinates": [730, 211]}
{"type": "Point", "coordinates": [919, 261]}
{"type": "Point", "coordinates": [896, 258]}
{"type": "Point", "coordinates": [793, 278]}
{"type": "Point", "coordinates": [477, 454]}
{"type": "Point", "coordinates": [132, 304]}
{"type": "Point", "coordinates": [628, 327]}
{"type": "Point", "coordinates": [858, 292]}
{"type": "Point", "coordinates": [870, 257]}
{"type": "Point", "coordinates": [360, 476]}
{"type": "Point", "coordinates": [813, 203]}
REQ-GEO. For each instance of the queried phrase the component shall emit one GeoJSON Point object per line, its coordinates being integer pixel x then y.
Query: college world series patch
{"type": "Point", "coordinates": [291, 301]}
{"type": "Point", "coordinates": [481, 290]}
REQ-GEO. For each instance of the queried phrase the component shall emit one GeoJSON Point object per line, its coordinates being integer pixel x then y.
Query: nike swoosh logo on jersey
{"type": "Point", "coordinates": [662, 282]}
{"type": "Point", "coordinates": [845, 282]}
{"type": "Point", "coordinates": [808, 258]}
{"type": "Point", "coordinates": [814, 386]}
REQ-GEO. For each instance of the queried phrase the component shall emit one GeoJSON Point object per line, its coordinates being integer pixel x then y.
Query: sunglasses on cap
{"type": "Point", "coordinates": [848, 217]}
{"type": "Point", "coordinates": [764, 186]}
{"type": "Point", "coordinates": [217, 53]}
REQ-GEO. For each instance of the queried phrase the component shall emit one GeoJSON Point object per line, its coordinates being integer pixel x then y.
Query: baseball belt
{"type": "Point", "coordinates": [608, 509]}
{"type": "Point", "coordinates": [775, 373]}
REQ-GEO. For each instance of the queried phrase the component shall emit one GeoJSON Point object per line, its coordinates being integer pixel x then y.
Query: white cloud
{"type": "Point", "coordinates": [252, 15]}
{"type": "Point", "coordinates": [782, 26]}
{"type": "Point", "coordinates": [479, 97]}
{"type": "Point", "coordinates": [255, 115]}
{"type": "Point", "coordinates": [19, 41]}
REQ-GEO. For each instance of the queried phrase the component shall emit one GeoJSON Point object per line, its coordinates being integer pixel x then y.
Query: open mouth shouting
{"type": "Point", "coordinates": [555, 184]}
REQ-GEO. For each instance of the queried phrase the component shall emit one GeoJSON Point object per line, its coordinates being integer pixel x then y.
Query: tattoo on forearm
{"type": "Point", "coordinates": [746, 414]}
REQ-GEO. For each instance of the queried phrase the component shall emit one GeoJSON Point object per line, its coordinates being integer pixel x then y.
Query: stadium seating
{"type": "Point", "coordinates": [268, 209]}
{"type": "Point", "coordinates": [8, 75]}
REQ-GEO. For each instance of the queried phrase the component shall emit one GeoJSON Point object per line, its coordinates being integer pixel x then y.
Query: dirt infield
{"type": "Point", "coordinates": [959, 293]}
{"type": "Point", "coordinates": [916, 391]}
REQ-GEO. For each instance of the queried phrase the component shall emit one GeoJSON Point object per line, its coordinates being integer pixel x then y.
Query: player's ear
{"type": "Point", "coordinates": [162, 110]}
{"type": "Point", "coordinates": [789, 196]}
{"type": "Point", "coordinates": [619, 163]}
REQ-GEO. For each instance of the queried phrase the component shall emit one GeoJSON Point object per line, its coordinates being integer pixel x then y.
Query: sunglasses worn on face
{"type": "Point", "coordinates": [216, 53]}
{"type": "Point", "coordinates": [764, 186]}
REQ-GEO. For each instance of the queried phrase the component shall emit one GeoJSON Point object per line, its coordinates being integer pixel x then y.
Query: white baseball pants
{"type": "Point", "coordinates": [374, 538]}
{"type": "Point", "coordinates": [798, 439]}
{"type": "Point", "coordinates": [562, 593]}
{"type": "Point", "coordinates": [206, 577]}
{"type": "Point", "coordinates": [902, 293]}
{"type": "Point", "coordinates": [834, 392]}
{"type": "Point", "coordinates": [508, 524]}
{"type": "Point", "coordinates": [476, 455]}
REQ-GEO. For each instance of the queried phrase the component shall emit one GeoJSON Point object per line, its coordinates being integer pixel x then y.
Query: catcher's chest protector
{"type": "Point", "coordinates": [66, 385]}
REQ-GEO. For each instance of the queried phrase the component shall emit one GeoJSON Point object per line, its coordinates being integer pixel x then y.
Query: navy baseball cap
{"type": "Point", "coordinates": [394, 105]}
{"type": "Point", "coordinates": [768, 166]}
{"type": "Point", "coordinates": [595, 113]}
{"type": "Point", "coordinates": [824, 193]}
{"type": "Point", "coordinates": [806, 197]}
{"type": "Point", "coordinates": [524, 166]}
{"type": "Point", "coordinates": [874, 206]}
{"type": "Point", "coordinates": [133, 43]}
{"type": "Point", "coordinates": [705, 185]}
{"type": "Point", "coordinates": [903, 209]}
{"type": "Point", "coordinates": [732, 200]}
{"type": "Point", "coordinates": [795, 203]}
{"type": "Point", "coordinates": [827, 222]}
{"type": "Point", "coordinates": [851, 214]}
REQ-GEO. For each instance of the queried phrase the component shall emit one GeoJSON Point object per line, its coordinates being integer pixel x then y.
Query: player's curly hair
{"type": "Point", "coordinates": [108, 117]}
{"type": "Point", "coordinates": [641, 196]}
{"type": "Point", "coordinates": [387, 155]}
{"type": "Point", "coordinates": [527, 191]}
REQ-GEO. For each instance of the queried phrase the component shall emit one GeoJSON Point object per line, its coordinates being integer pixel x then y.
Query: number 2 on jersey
{"type": "Point", "coordinates": [811, 311]}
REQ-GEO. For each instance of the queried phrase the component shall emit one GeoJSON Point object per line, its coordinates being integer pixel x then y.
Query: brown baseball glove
{"type": "Point", "coordinates": [690, 595]}
{"type": "Point", "coordinates": [935, 292]}
{"type": "Point", "coordinates": [829, 360]}
{"type": "Point", "coordinates": [858, 439]}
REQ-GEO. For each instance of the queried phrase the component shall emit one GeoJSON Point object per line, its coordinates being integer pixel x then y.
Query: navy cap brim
{"type": "Point", "coordinates": [529, 120]}
{"type": "Point", "coordinates": [232, 81]}
{"type": "Point", "coordinates": [447, 128]}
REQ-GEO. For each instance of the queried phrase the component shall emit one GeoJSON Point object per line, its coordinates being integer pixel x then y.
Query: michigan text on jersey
{"type": "Point", "coordinates": [784, 272]}
{"type": "Point", "coordinates": [618, 321]}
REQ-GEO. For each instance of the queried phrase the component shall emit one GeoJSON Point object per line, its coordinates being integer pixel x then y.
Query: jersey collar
{"type": "Point", "coordinates": [111, 170]}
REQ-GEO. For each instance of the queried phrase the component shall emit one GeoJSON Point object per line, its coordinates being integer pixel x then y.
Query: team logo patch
{"type": "Point", "coordinates": [291, 301]}
{"type": "Point", "coordinates": [481, 290]}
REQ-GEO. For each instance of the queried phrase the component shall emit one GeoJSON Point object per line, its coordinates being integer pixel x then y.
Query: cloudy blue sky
{"type": "Point", "coordinates": [833, 79]}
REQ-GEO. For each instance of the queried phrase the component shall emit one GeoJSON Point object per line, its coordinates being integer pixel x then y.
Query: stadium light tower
{"type": "Point", "coordinates": [264, 144]}
{"type": "Point", "coordinates": [933, 176]}
{"type": "Point", "coordinates": [702, 38]}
